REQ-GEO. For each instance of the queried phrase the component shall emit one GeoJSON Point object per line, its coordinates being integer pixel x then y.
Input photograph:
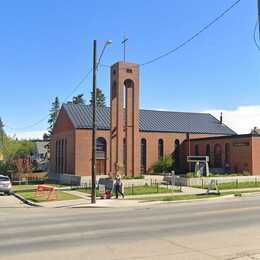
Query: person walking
{"type": "Point", "coordinates": [118, 186]}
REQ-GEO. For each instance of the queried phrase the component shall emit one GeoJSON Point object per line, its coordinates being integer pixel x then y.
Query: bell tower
{"type": "Point", "coordinates": [124, 105]}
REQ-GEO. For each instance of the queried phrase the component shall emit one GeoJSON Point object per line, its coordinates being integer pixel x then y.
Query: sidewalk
{"type": "Point", "coordinates": [129, 201]}
{"type": "Point", "coordinates": [240, 190]}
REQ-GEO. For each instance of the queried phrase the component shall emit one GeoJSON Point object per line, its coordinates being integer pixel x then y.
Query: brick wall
{"type": "Point", "coordinates": [63, 130]}
{"type": "Point", "coordinates": [83, 151]}
{"type": "Point", "coordinates": [240, 155]}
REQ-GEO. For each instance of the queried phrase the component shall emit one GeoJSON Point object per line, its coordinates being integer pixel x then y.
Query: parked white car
{"type": "Point", "coordinates": [5, 184]}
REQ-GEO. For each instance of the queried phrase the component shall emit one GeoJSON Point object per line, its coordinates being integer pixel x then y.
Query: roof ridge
{"type": "Point", "coordinates": [151, 120]}
{"type": "Point", "coordinates": [145, 109]}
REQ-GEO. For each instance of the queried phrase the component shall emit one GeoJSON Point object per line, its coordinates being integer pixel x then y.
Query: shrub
{"type": "Point", "coordinates": [191, 175]}
{"type": "Point", "coordinates": [7, 168]}
{"type": "Point", "coordinates": [164, 165]}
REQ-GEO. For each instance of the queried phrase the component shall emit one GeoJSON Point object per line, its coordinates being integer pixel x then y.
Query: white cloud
{"type": "Point", "coordinates": [28, 134]}
{"type": "Point", "coordinates": [241, 120]}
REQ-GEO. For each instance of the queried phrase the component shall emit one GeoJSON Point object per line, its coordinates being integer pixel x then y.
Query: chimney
{"type": "Point", "coordinates": [221, 118]}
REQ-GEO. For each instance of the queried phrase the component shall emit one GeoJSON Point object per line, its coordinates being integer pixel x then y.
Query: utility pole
{"type": "Point", "coordinates": [93, 188]}
{"type": "Point", "coordinates": [259, 16]}
{"type": "Point", "coordinates": [94, 120]}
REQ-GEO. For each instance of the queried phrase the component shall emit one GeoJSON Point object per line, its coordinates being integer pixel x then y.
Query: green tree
{"type": "Point", "coordinates": [164, 165]}
{"type": "Point", "coordinates": [2, 135]}
{"type": "Point", "coordinates": [46, 137]}
{"type": "Point", "coordinates": [78, 99]}
{"type": "Point", "coordinates": [100, 100]}
{"type": "Point", "coordinates": [15, 149]}
{"type": "Point", "coordinates": [55, 108]}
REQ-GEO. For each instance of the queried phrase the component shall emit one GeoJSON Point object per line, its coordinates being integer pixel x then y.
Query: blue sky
{"type": "Point", "coordinates": [46, 48]}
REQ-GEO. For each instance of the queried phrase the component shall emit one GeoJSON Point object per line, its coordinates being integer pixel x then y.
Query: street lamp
{"type": "Point", "coordinates": [94, 128]}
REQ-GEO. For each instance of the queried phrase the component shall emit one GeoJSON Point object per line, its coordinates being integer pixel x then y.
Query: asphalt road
{"type": "Point", "coordinates": [228, 229]}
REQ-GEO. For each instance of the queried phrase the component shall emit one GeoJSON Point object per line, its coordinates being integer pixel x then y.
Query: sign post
{"type": "Point", "coordinates": [202, 162]}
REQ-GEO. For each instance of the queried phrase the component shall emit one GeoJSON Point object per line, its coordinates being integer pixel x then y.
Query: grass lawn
{"type": "Point", "coordinates": [141, 190]}
{"type": "Point", "coordinates": [32, 187]}
{"type": "Point", "coordinates": [31, 195]}
{"type": "Point", "coordinates": [241, 185]}
{"type": "Point", "coordinates": [233, 185]}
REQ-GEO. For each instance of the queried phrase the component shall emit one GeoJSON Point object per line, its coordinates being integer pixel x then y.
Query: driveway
{"type": "Point", "coordinates": [11, 202]}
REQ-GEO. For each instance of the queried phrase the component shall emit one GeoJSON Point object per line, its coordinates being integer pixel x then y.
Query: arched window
{"type": "Point", "coordinates": [217, 156]}
{"type": "Point", "coordinates": [101, 155]}
{"type": "Point", "coordinates": [227, 154]}
{"type": "Point", "coordinates": [160, 149]}
{"type": "Point", "coordinates": [129, 85]}
{"type": "Point", "coordinates": [177, 154]}
{"type": "Point", "coordinates": [197, 152]}
{"type": "Point", "coordinates": [101, 148]}
{"type": "Point", "coordinates": [143, 155]}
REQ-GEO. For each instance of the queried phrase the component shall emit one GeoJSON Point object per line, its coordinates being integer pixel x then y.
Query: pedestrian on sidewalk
{"type": "Point", "coordinates": [118, 186]}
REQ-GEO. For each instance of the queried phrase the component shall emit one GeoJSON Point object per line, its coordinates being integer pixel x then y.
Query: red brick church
{"type": "Point", "coordinates": [134, 138]}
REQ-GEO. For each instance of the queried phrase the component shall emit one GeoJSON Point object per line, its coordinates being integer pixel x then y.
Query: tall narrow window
{"type": "Point", "coordinates": [101, 153]}
{"type": "Point", "coordinates": [208, 151]}
{"type": "Point", "coordinates": [217, 156]}
{"type": "Point", "coordinates": [65, 157]}
{"type": "Point", "coordinates": [143, 155]}
{"type": "Point", "coordinates": [59, 156]}
{"type": "Point", "coordinates": [160, 149]}
{"type": "Point", "coordinates": [197, 152]}
{"type": "Point", "coordinates": [177, 155]}
{"type": "Point", "coordinates": [62, 156]}
{"type": "Point", "coordinates": [56, 156]}
{"type": "Point", "coordinates": [227, 154]}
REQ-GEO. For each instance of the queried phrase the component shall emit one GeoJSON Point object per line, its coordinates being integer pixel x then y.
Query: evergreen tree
{"type": "Point", "coordinates": [55, 108]}
{"type": "Point", "coordinates": [78, 99]}
{"type": "Point", "coordinates": [100, 100]}
{"type": "Point", "coordinates": [46, 137]}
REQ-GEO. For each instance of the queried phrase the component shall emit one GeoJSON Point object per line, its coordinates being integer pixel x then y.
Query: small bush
{"type": "Point", "coordinates": [131, 178]}
{"type": "Point", "coordinates": [7, 167]}
{"type": "Point", "coordinates": [164, 165]}
{"type": "Point", "coordinates": [191, 175]}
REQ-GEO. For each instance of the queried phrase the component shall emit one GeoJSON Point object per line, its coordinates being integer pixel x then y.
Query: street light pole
{"type": "Point", "coordinates": [94, 121]}
{"type": "Point", "coordinates": [93, 188]}
{"type": "Point", "coordinates": [259, 16]}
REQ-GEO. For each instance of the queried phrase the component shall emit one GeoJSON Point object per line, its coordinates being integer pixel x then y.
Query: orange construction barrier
{"type": "Point", "coordinates": [51, 191]}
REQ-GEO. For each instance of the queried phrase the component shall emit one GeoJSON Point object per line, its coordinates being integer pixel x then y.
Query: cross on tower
{"type": "Point", "coordinates": [124, 43]}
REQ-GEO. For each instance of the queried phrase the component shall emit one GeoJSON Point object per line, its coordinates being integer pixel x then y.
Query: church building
{"type": "Point", "coordinates": [132, 139]}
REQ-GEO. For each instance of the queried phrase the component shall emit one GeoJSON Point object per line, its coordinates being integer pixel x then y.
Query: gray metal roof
{"type": "Point", "coordinates": [151, 120]}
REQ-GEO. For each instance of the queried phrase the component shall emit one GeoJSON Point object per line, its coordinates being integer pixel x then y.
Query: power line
{"type": "Point", "coordinates": [77, 86]}
{"type": "Point", "coordinates": [65, 100]}
{"type": "Point", "coordinates": [184, 43]}
{"type": "Point", "coordinates": [206, 27]}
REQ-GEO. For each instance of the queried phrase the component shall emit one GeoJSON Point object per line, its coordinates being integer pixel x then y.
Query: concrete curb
{"type": "Point", "coordinates": [250, 194]}
{"type": "Point", "coordinates": [194, 200]}
{"type": "Point", "coordinates": [25, 201]}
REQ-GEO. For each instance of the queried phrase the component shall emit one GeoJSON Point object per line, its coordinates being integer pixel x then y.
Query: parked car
{"type": "Point", "coordinates": [5, 184]}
